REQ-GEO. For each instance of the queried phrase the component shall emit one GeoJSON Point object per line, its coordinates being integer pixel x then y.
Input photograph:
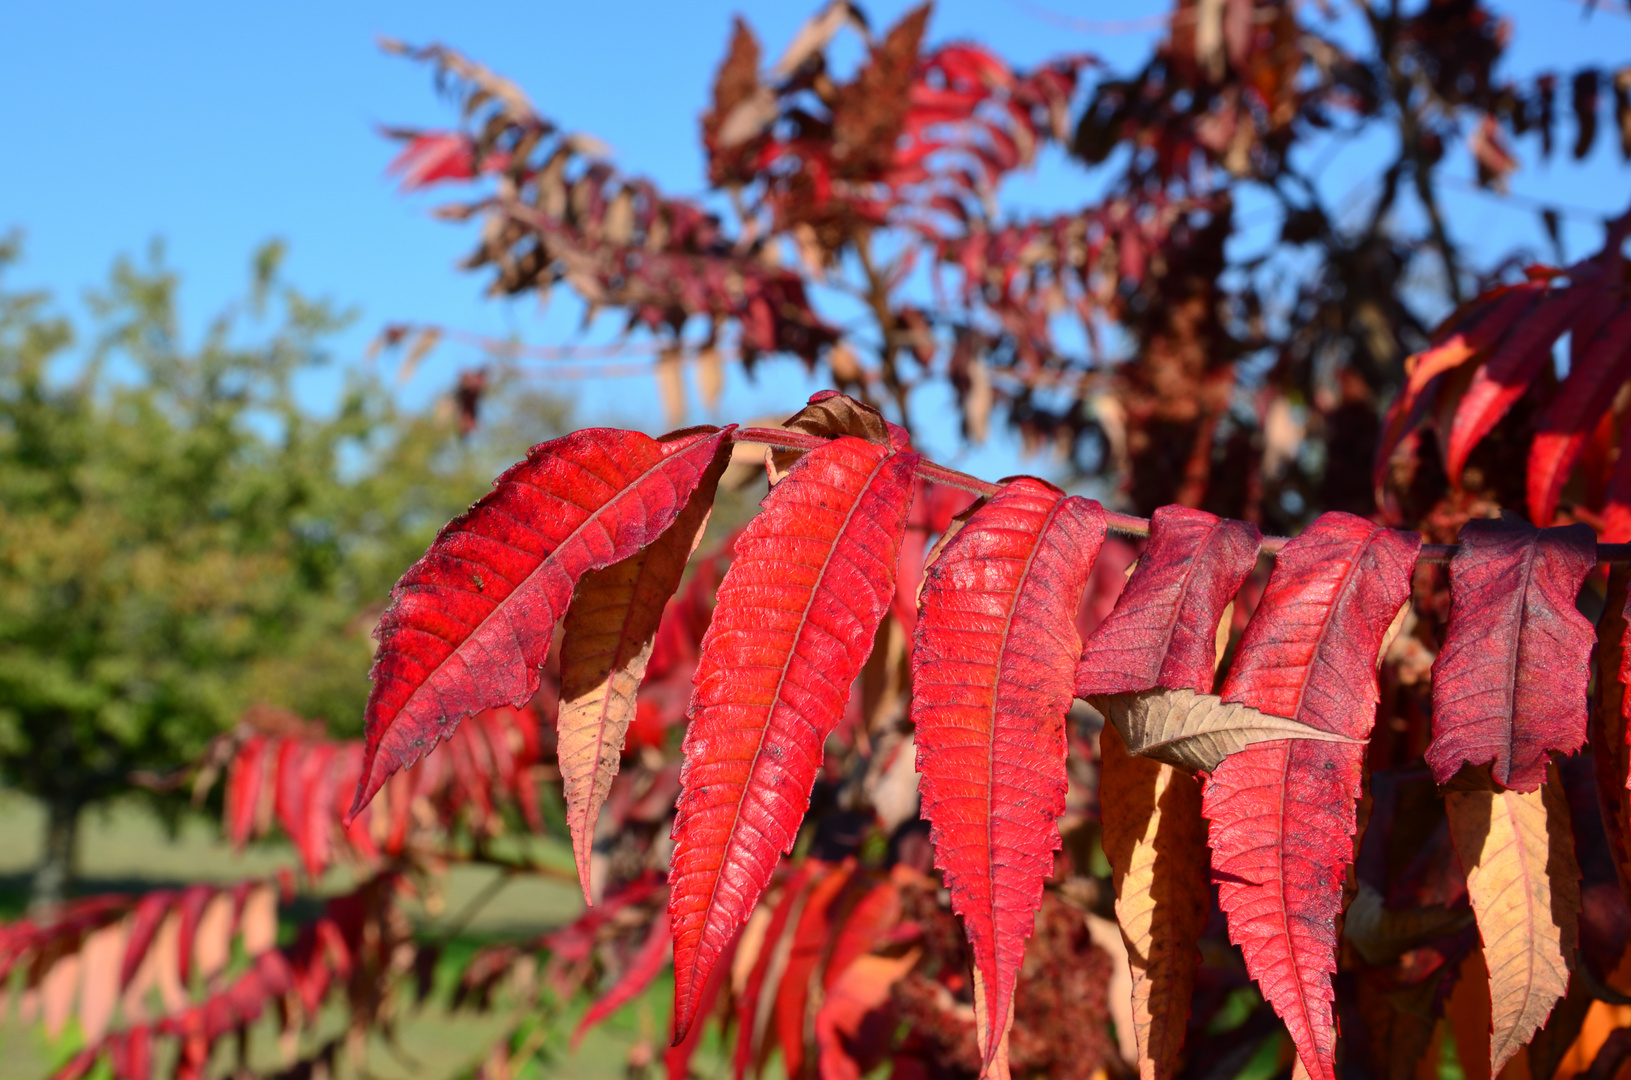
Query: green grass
{"type": "Point", "coordinates": [127, 849]}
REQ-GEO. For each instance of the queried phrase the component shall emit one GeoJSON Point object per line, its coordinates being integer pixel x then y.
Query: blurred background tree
{"type": "Point", "coordinates": [181, 538]}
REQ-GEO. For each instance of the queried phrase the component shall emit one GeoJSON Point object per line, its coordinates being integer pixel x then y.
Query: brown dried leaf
{"type": "Point", "coordinates": [1196, 731]}
{"type": "Point", "coordinates": [1155, 838]}
{"type": "Point", "coordinates": [1524, 883]}
{"type": "Point", "coordinates": [607, 639]}
{"type": "Point", "coordinates": [830, 415]}
{"type": "Point", "coordinates": [1381, 935]}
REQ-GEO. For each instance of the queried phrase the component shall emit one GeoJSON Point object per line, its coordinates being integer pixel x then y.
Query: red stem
{"type": "Point", "coordinates": [1127, 525]}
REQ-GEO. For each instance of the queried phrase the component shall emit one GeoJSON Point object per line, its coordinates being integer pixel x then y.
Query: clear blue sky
{"type": "Point", "coordinates": [217, 126]}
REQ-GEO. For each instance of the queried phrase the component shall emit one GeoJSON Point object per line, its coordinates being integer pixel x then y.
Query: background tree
{"type": "Point", "coordinates": [180, 537]}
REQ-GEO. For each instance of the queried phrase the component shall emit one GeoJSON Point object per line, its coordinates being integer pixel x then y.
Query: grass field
{"type": "Point", "coordinates": [127, 849]}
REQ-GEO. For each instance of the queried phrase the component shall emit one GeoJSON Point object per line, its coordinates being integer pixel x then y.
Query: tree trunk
{"type": "Point", "coordinates": [58, 852]}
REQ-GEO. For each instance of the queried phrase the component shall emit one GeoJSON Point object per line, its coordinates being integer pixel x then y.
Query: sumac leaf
{"type": "Point", "coordinates": [643, 967]}
{"type": "Point", "coordinates": [1282, 813]}
{"type": "Point", "coordinates": [1524, 883]}
{"type": "Point", "coordinates": [1509, 686]}
{"type": "Point", "coordinates": [991, 675]}
{"type": "Point", "coordinates": [1195, 732]}
{"type": "Point", "coordinates": [1611, 755]}
{"type": "Point", "coordinates": [796, 616]}
{"type": "Point", "coordinates": [1599, 364]}
{"type": "Point", "coordinates": [471, 621]}
{"type": "Point", "coordinates": [1155, 839]}
{"type": "Point", "coordinates": [607, 639]}
{"type": "Point", "coordinates": [1513, 365]}
{"type": "Point", "coordinates": [1163, 629]}
{"type": "Point", "coordinates": [1162, 632]}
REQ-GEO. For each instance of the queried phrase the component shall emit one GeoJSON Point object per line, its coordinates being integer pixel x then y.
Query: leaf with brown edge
{"type": "Point", "coordinates": [470, 622]}
{"type": "Point", "coordinates": [1524, 883]}
{"type": "Point", "coordinates": [1283, 813]}
{"type": "Point", "coordinates": [1195, 732]}
{"type": "Point", "coordinates": [796, 616]}
{"type": "Point", "coordinates": [607, 639]}
{"type": "Point", "coordinates": [1163, 629]}
{"type": "Point", "coordinates": [991, 675]}
{"type": "Point", "coordinates": [1510, 684]}
{"type": "Point", "coordinates": [1155, 839]}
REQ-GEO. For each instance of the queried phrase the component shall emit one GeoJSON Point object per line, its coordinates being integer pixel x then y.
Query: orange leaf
{"type": "Point", "coordinates": [608, 636]}
{"type": "Point", "coordinates": [1524, 883]}
{"type": "Point", "coordinates": [1155, 839]}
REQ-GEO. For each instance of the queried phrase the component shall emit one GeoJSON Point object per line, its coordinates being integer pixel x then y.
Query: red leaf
{"type": "Point", "coordinates": [873, 916]}
{"type": "Point", "coordinates": [471, 621]}
{"type": "Point", "coordinates": [796, 616]}
{"type": "Point", "coordinates": [1163, 630]}
{"type": "Point", "coordinates": [1464, 335]}
{"type": "Point", "coordinates": [753, 1008]}
{"type": "Point", "coordinates": [1598, 365]}
{"type": "Point", "coordinates": [1510, 683]}
{"type": "Point", "coordinates": [632, 983]}
{"type": "Point", "coordinates": [991, 675]}
{"type": "Point", "coordinates": [244, 786]}
{"type": "Point", "coordinates": [1282, 813]}
{"type": "Point", "coordinates": [810, 940]}
{"type": "Point", "coordinates": [1513, 366]}
{"type": "Point", "coordinates": [191, 906]}
{"type": "Point", "coordinates": [677, 1059]}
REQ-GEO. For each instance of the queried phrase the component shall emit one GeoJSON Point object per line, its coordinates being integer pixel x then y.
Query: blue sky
{"type": "Point", "coordinates": [218, 126]}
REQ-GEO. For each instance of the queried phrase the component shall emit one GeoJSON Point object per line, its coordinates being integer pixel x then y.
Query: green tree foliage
{"type": "Point", "coordinates": [182, 536]}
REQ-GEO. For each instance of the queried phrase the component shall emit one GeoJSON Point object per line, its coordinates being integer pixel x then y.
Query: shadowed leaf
{"type": "Point", "coordinates": [1524, 883]}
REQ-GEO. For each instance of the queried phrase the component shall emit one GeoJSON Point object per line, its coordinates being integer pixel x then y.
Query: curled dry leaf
{"type": "Point", "coordinates": [1509, 686]}
{"type": "Point", "coordinates": [991, 677]}
{"type": "Point", "coordinates": [1524, 883]}
{"type": "Point", "coordinates": [609, 633]}
{"type": "Point", "coordinates": [471, 621]}
{"type": "Point", "coordinates": [1196, 732]}
{"type": "Point", "coordinates": [797, 613]}
{"type": "Point", "coordinates": [831, 414]}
